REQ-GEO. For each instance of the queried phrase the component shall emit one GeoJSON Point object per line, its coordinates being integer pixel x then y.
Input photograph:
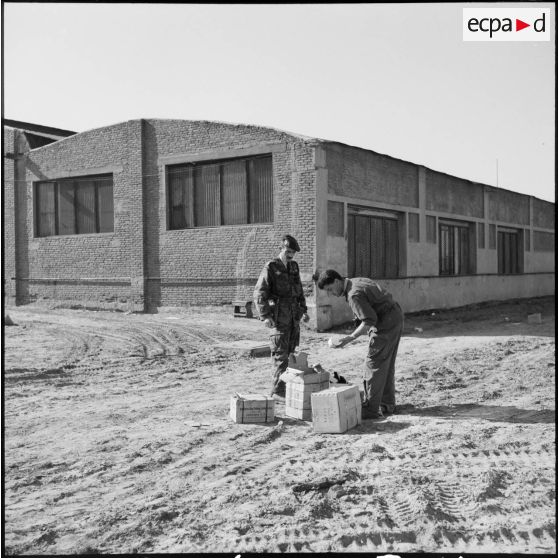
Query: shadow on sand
{"type": "Point", "coordinates": [492, 413]}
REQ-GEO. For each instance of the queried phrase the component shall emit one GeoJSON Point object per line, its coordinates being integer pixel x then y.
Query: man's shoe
{"type": "Point", "coordinates": [386, 412]}
{"type": "Point", "coordinates": [367, 414]}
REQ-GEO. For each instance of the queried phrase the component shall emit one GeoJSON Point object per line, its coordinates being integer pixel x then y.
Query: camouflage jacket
{"type": "Point", "coordinates": [279, 286]}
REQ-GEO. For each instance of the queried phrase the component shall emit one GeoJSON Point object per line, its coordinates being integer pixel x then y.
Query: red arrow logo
{"type": "Point", "coordinates": [519, 25]}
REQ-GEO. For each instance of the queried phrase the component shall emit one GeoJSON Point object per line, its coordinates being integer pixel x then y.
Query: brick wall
{"type": "Point", "coordinates": [95, 269]}
{"type": "Point", "coordinates": [543, 214]}
{"type": "Point", "coordinates": [450, 194]}
{"type": "Point", "coordinates": [357, 173]}
{"type": "Point", "coordinates": [142, 264]}
{"type": "Point", "coordinates": [215, 265]}
{"type": "Point", "coordinates": [8, 225]}
{"type": "Point", "coordinates": [508, 207]}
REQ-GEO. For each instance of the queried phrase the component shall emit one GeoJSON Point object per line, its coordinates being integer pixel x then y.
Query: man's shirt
{"type": "Point", "coordinates": [368, 300]}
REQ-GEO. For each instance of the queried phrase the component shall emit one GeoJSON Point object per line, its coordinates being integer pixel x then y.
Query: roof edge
{"type": "Point", "coordinates": [38, 128]}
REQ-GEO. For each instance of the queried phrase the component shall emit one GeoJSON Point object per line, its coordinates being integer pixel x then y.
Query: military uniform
{"type": "Point", "coordinates": [278, 295]}
{"type": "Point", "coordinates": [374, 306]}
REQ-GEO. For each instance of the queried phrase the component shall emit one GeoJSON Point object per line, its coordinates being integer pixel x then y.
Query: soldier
{"type": "Point", "coordinates": [280, 301]}
{"type": "Point", "coordinates": [382, 318]}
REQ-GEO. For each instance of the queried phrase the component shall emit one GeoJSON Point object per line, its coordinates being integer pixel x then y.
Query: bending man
{"type": "Point", "coordinates": [382, 319]}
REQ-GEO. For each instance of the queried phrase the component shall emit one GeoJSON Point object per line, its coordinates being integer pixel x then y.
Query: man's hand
{"type": "Point", "coordinates": [305, 317]}
{"type": "Point", "coordinates": [269, 322]}
{"type": "Point", "coordinates": [345, 341]}
{"type": "Point", "coordinates": [341, 343]}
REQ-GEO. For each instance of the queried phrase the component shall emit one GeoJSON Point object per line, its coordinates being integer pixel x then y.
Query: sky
{"type": "Point", "coordinates": [397, 79]}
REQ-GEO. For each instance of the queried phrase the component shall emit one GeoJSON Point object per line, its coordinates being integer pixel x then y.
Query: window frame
{"type": "Point", "coordinates": [510, 248]}
{"type": "Point", "coordinates": [98, 181]}
{"type": "Point", "coordinates": [190, 212]}
{"type": "Point", "coordinates": [459, 260]}
{"type": "Point", "coordinates": [392, 224]}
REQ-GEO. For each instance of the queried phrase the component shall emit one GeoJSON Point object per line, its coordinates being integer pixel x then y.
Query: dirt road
{"type": "Point", "coordinates": [117, 438]}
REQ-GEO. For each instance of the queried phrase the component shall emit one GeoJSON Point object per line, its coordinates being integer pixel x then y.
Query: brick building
{"type": "Point", "coordinates": [148, 213]}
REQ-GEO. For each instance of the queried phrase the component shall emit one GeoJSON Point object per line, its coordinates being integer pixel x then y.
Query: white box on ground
{"type": "Point", "coordinates": [336, 409]}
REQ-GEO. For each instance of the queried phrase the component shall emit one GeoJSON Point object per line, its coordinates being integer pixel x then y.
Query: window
{"type": "Point", "coordinates": [373, 243]}
{"type": "Point", "coordinates": [454, 248]}
{"type": "Point", "coordinates": [80, 205]}
{"type": "Point", "coordinates": [230, 192]}
{"type": "Point", "coordinates": [508, 251]}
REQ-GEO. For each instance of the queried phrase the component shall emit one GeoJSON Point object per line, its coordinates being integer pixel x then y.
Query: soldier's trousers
{"type": "Point", "coordinates": [283, 341]}
{"type": "Point", "coordinates": [379, 366]}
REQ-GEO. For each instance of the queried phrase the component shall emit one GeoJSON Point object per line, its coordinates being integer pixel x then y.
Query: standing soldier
{"type": "Point", "coordinates": [281, 305]}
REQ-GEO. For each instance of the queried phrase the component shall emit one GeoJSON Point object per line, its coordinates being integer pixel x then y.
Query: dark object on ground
{"type": "Point", "coordinates": [8, 321]}
{"type": "Point", "coordinates": [338, 379]}
{"type": "Point", "coordinates": [322, 485]}
{"type": "Point", "coordinates": [242, 309]}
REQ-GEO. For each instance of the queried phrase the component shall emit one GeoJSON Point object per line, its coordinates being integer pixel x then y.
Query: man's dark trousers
{"type": "Point", "coordinates": [284, 339]}
{"type": "Point", "coordinates": [379, 368]}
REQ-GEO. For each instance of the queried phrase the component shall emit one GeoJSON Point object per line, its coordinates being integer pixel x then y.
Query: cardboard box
{"type": "Point", "coordinates": [300, 386]}
{"type": "Point", "coordinates": [250, 408]}
{"type": "Point", "coordinates": [336, 409]}
{"type": "Point", "coordinates": [299, 361]}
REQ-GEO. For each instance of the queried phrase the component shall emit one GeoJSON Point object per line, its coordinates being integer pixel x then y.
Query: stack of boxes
{"type": "Point", "coordinates": [301, 382]}
{"type": "Point", "coordinates": [309, 396]}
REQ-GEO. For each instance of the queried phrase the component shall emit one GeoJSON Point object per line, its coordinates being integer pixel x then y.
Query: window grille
{"type": "Point", "coordinates": [227, 192]}
{"type": "Point", "coordinates": [454, 248]}
{"type": "Point", "coordinates": [508, 252]}
{"type": "Point", "coordinates": [373, 244]}
{"type": "Point", "coordinates": [79, 205]}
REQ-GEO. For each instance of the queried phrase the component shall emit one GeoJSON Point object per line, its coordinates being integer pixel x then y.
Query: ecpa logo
{"type": "Point", "coordinates": [506, 24]}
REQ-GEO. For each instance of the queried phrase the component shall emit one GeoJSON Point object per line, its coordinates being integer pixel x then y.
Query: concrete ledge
{"type": "Point", "coordinates": [423, 293]}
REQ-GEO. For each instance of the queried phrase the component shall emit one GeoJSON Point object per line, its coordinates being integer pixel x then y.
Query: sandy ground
{"type": "Point", "coordinates": [118, 439]}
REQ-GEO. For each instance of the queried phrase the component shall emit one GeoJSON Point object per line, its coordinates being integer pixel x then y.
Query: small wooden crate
{"type": "Point", "coordinates": [250, 408]}
{"type": "Point", "coordinates": [242, 309]}
{"type": "Point", "coordinates": [336, 409]}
